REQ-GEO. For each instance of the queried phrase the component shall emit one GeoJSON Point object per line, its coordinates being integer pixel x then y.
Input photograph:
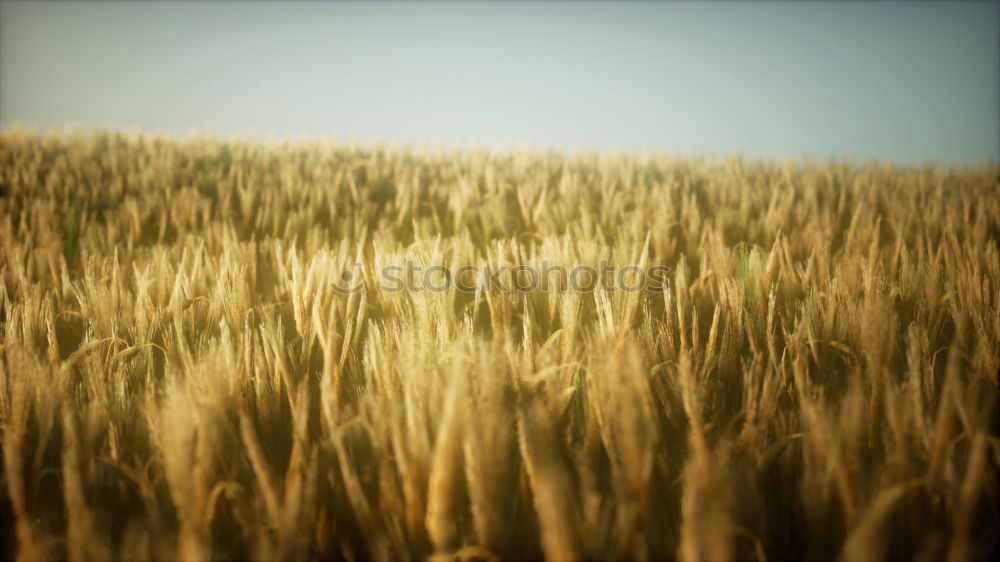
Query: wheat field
{"type": "Point", "coordinates": [180, 380]}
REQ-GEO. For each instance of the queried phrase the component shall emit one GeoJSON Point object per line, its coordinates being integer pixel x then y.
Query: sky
{"type": "Point", "coordinates": [907, 81]}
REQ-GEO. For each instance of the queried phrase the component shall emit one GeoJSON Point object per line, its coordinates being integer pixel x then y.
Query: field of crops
{"type": "Point", "coordinates": [182, 375]}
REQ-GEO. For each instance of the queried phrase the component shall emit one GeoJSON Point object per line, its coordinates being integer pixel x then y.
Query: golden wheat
{"type": "Point", "coordinates": [179, 380]}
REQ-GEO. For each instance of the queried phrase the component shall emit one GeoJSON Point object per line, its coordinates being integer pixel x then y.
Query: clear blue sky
{"type": "Point", "coordinates": [897, 80]}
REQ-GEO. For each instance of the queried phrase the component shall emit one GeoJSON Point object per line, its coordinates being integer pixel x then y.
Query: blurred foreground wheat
{"type": "Point", "coordinates": [178, 380]}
